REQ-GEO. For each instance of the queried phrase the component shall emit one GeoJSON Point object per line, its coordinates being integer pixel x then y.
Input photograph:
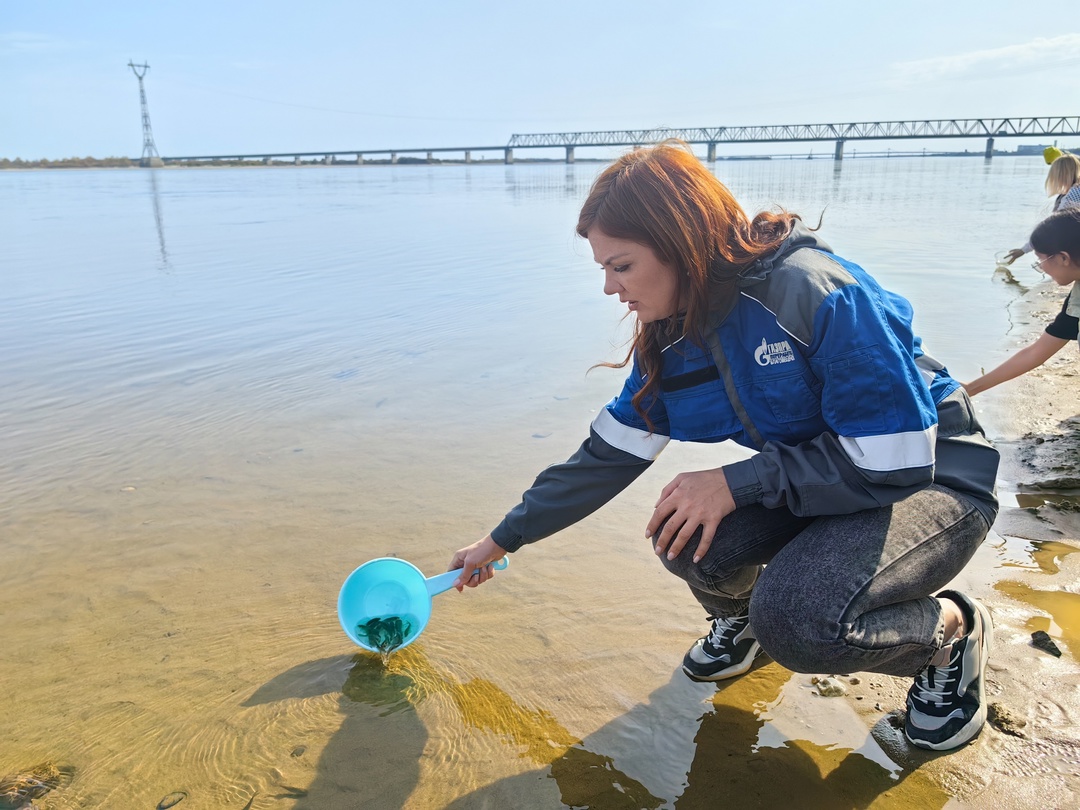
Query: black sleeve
{"type": "Point", "coordinates": [565, 493]}
{"type": "Point", "coordinates": [1064, 326]}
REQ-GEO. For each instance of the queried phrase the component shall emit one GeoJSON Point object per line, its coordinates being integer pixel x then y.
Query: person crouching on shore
{"type": "Point", "coordinates": [872, 485]}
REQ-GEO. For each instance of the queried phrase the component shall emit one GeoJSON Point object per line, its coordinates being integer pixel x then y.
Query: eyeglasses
{"type": "Point", "coordinates": [1038, 264]}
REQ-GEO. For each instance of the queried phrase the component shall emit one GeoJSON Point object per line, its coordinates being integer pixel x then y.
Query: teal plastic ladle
{"type": "Point", "coordinates": [387, 589]}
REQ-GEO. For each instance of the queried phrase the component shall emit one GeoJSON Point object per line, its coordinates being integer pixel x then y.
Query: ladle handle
{"type": "Point", "coordinates": [444, 582]}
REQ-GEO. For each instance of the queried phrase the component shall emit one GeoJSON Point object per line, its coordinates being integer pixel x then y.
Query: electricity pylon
{"type": "Point", "coordinates": [150, 155]}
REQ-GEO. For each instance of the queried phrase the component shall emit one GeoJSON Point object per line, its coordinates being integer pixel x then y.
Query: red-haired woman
{"type": "Point", "coordinates": [872, 484]}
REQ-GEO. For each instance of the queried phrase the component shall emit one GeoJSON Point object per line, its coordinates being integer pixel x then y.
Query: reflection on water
{"type": "Point", "coordinates": [373, 681]}
{"type": "Point", "coordinates": [152, 174]}
{"type": "Point", "coordinates": [1068, 501]}
{"type": "Point", "coordinates": [1005, 272]}
{"type": "Point", "coordinates": [747, 742]}
{"type": "Point", "coordinates": [410, 678]}
{"type": "Point", "coordinates": [795, 769]}
{"type": "Point", "coordinates": [1063, 623]}
{"type": "Point", "coordinates": [1042, 555]}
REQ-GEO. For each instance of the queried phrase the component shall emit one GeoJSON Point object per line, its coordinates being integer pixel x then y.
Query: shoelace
{"type": "Point", "coordinates": [935, 685]}
{"type": "Point", "coordinates": [721, 627]}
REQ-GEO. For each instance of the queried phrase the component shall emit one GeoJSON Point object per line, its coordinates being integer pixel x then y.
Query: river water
{"type": "Point", "coordinates": [224, 389]}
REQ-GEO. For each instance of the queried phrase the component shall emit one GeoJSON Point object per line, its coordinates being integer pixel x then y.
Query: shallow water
{"type": "Point", "coordinates": [225, 389]}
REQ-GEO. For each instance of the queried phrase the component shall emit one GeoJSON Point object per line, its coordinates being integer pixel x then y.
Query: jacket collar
{"type": "Point", "coordinates": [799, 237]}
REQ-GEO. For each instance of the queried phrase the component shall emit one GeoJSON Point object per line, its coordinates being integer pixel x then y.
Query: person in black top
{"type": "Point", "coordinates": [1056, 241]}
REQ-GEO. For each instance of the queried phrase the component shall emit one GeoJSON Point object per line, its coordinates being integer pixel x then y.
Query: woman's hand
{"type": "Point", "coordinates": [478, 555]}
{"type": "Point", "coordinates": [1030, 357]}
{"type": "Point", "coordinates": [691, 500]}
{"type": "Point", "coordinates": [1013, 255]}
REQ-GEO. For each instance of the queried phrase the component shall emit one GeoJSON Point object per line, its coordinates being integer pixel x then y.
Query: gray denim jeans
{"type": "Point", "coordinates": [839, 593]}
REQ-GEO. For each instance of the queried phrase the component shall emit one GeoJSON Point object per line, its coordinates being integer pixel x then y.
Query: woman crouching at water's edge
{"type": "Point", "coordinates": [872, 485]}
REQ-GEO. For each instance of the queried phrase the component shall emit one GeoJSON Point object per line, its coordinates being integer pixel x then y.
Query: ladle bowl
{"type": "Point", "coordinates": [389, 588]}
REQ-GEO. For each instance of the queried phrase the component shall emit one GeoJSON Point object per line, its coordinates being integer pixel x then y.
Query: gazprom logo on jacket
{"type": "Point", "coordinates": [770, 354]}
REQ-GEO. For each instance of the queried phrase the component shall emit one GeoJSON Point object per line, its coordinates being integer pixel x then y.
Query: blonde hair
{"type": "Point", "coordinates": [1064, 174]}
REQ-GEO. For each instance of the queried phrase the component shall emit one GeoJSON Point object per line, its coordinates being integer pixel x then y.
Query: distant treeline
{"type": "Point", "coordinates": [127, 163]}
{"type": "Point", "coordinates": [69, 163]}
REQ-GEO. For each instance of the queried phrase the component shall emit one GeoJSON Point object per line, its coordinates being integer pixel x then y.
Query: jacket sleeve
{"type": "Point", "coordinates": [620, 447]}
{"type": "Point", "coordinates": [882, 419]}
{"type": "Point", "coordinates": [565, 493]}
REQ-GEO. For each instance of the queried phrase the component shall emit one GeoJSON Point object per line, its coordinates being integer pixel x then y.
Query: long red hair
{"type": "Point", "coordinates": [663, 197]}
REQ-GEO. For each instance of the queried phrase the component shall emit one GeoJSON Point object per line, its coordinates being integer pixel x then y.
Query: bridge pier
{"type": "Point", "coordinates": [328, 160]}
{"type": "Point", "coordinates": [296, 160]}
{"type": "Point", "coordinates": [838, 154]}
{"type": "Point", "coordinates": [468, 157]}
{"type": "Point", "coordinates": [569, 154]}
{"type": "Point", "coordinates": [429, 157]}
{"type": "Point", "coordinates": [267, 161]}
{"type": "Point", "coordinates": [359, 159]}
{"type": "Point", "coordinates": [393, 157]}
{"type": "Point", "coordinates": [989, 147]}
{"type": "Point", "coordinates": [712, 152]}
{"type": "Point", "coordinates": [508, 156]}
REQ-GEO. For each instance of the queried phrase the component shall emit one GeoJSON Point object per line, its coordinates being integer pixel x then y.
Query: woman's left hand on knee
{"type": "Point", "coordinates": [691, 500]}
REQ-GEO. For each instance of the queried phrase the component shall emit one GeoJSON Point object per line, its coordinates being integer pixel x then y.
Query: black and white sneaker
{"type": "Point", "coordinates": [729, 650]}
{"type": "Point", "coordinates": [946, 706]}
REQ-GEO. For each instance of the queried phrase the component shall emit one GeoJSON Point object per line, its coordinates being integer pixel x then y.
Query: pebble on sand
{"type": "Point", "coordinates": [830, 687]}
{"type": "Point", "coordinates": [1042, 640]}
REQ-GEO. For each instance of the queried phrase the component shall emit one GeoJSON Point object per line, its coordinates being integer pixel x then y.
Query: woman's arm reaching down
{"type": "Point", "coordinates": [1030, 357]}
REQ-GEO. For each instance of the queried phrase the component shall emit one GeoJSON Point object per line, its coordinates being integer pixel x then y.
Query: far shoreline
{"type": "Point", "coordinates": [18, 164]}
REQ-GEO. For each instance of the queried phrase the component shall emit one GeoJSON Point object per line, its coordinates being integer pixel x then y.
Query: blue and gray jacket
{"type": "Point", "coordinates": [814, 366]}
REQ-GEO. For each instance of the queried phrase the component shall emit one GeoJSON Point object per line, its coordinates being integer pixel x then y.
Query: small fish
{"type": "Point", "coordinates": [293, 792]}
{"type": "Point", "coordinates": [386, 634]}
{"type": "Point", "coordinates": [171, 800]}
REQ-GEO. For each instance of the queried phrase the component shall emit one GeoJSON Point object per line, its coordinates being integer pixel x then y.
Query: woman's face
{"type": "Point", "coordinates": [1059, 266]}
{"type": "Point", "coordinates": [648, 287]}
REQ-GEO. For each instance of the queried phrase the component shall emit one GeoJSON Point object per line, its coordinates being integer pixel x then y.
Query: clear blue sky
{"type": "Point", "coordinates": [327, 75]}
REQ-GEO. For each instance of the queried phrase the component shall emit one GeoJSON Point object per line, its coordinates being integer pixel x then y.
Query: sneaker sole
{"type": "Point", "coordinates": [978, 720]}
{"type": "Point", "coordinates": [733, 671]}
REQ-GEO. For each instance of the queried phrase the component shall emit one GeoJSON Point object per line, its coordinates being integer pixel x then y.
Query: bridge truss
{"type": "Point", "coordinates": [779, 133]}
{"type": "Point", "coordinates": [988, 128]}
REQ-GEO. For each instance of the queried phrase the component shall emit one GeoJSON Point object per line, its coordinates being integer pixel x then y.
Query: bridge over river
{"type": "Point", "coordinates": [989, 129]}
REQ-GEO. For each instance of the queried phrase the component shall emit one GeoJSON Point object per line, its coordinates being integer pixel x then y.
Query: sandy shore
{"type": "Point", "coordinates": [1027, 573]}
